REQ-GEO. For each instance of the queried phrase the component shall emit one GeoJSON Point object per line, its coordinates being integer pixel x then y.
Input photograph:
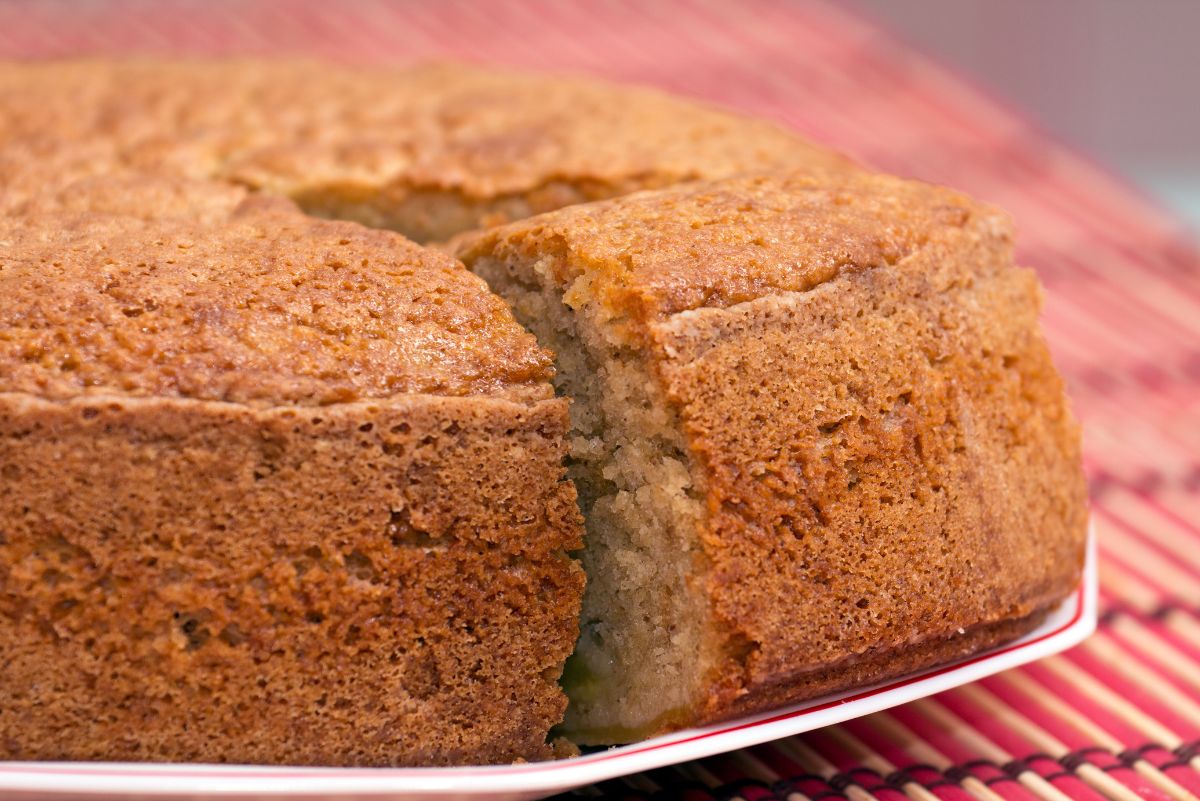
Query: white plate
{"type": "Point", "coordinates": [1073, 621]}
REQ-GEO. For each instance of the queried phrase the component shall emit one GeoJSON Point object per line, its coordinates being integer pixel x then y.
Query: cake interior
{"type": "Point", "coordinates": [642, 651]}
{"type": "Point", "coordinates": [430, 214]}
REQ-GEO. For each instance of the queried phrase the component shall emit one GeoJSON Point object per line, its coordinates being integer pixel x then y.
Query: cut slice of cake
{"type": "Point", "coordinates": [816, 433]}
{"type": "Point", "coordinates": [272, 490]}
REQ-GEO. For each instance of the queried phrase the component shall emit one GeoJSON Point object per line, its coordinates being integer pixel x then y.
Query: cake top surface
{"type": "Point", "coordinates": [141, 286]}
{"type": "Point", "coordinates": [292, 126]}
{"type": "Point", "coordinates": [652, 254]}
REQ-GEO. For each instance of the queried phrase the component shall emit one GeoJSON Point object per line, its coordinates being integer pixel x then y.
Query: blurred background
{"type": "Point", "coordinates": [1118, 80]}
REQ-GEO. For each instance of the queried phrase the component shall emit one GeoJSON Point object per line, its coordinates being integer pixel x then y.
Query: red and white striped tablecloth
{"type": "Point", "coordinates": [1117, 718]}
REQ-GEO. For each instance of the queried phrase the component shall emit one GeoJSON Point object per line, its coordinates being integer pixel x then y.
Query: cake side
{"type": "Point", "coordinates": [889, 458]}
{"type": "Point", "coordinates": [429, 151]}
{"type": "Point", "coordinates": [374, 583]}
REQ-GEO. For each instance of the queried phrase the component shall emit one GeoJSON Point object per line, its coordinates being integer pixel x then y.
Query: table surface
{"type": "Point", "coordinates": [1116, 718]}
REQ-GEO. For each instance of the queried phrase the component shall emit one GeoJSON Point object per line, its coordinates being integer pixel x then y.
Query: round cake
{"type": "Point", "coordinates": [285, 489]}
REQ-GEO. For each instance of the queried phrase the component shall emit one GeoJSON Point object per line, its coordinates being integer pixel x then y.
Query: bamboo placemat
{"type": "Point", "coordinates": [1117, 718]}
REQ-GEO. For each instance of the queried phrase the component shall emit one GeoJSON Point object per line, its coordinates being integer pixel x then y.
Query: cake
{"type": "Point", "coordinates": [424, 485]}
{"type": "Point", "coordinates": [280, 488]}
{"type": "Point", "coordinates": [816, 434]}
{"type": "Point", "coordinates": [275, 490]}
{"type": "Point", "coordinates": [429, 151]}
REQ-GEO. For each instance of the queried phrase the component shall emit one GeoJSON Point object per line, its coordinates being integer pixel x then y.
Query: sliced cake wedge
{"type": "Point", "coordinates": [816, 432]}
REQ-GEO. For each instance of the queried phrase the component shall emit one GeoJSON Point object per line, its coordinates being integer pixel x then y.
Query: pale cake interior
{"type": "Point", "coordinates": [642, 651]}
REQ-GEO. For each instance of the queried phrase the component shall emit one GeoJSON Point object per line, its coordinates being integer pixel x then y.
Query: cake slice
{"type": "Point", "coordinates": [274, 490]}
{"type": "Point", "coordinates": [816, 433]}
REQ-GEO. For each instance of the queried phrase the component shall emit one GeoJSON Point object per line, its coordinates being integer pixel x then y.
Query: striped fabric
{"type": "Point", "coordinates": [1117, 718]}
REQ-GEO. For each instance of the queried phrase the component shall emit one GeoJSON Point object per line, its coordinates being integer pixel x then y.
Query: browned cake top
{"type": "Point", "coordinates": [290, 126]}
{"type": "Point", "coordinates": [715, 244]}
{"type": "Point", "coordinates": [142, 286]}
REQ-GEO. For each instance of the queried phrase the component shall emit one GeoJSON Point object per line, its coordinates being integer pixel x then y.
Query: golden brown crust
{"type": "Point", "coordinates": [375, 583]}
{"type": "Point", "coordinates": [430, 150]}
{"type": "Point", "coordinates": [919, 474]}
{"type": "Point", "coordinates": [168, 287]}
{"type": "Point", "coordinates": [882, 443]}
{"type": "Point", "coordinates": [716, 244]}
